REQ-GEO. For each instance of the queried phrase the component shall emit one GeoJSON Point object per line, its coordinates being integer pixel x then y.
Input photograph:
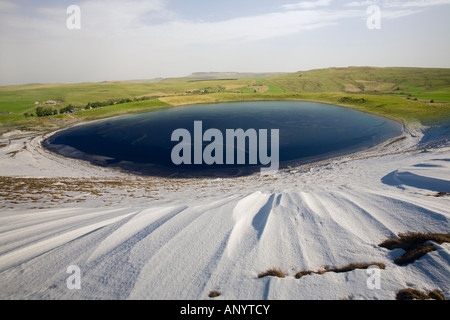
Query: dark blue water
{"type": "Point", "coordinates": [141, 143]}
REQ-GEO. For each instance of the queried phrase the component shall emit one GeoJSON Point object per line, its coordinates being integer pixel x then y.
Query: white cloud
{"type": "Point", "coordinates": [144, 22]}
{"type": "Point", "coordinates": [394, 9]}
{"type": "Point", "coordinates": [121, 15]}
{"type": "Point", "coordinates": [99, 19]}
{"type": "Point", "coordinates": [245, 29]}
{"type": "Point", "coordinates": [123, 39]}
{"type": "Point", "coordinates": [416, 3]}
{"type": "Point", "coordinates": [8, 6]}
{"type": "Point", "coordinates": [147, 22]}
{"type": "Point", "coordinates": [307, 4]}
{"type": "Point", "coordinates": [395, 14]}
{"type": "Point", "coordinates": [399, 3]}
{"type": "Point", "coordinates": [361, 3]}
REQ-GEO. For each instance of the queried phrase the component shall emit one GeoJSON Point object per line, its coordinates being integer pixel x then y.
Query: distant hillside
{"type": "Point", "coordinates": [232, 75]}
{"type": "Point", "coordinates": [415, 82]}
{"type": "Point", "coordinates": [416, 94]}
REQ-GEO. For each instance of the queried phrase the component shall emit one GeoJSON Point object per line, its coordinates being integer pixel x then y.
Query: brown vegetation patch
{"type": "Point", "coordinates": [54, 191]}
{"type": "Point", "coordinates": [395, 140]}
{"type": "Point", "coordinates": [414, 294]}
{"type": "Point", "coordinates": [352, 100]}
{"type": "Point", "coordinates": [347, 268]}
{"type": "Point", "coordinates": [414, 245]}
{"type": "Point", "coordinates": [214, 294]}
{"type": "Point", "coordinates": [376, 85]}
{"type": "Point", "coordinates": [274, 272]}
{"type": "Point", "coordinates": [348, 87]}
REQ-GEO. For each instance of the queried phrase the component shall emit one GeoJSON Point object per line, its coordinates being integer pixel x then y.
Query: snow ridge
{"type": "Point", "coordinates": [220, 234]}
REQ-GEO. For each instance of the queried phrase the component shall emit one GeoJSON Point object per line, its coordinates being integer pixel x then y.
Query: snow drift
{"type": "Point", "coordinates": [220, 237]}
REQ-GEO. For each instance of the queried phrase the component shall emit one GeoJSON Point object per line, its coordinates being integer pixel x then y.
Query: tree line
{"type": "Point", "coordinates": [50, 111]}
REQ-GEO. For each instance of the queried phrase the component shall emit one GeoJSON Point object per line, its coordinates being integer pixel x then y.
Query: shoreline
{"type": "Point", "coordinates": [409, 138]}
{"type": "Point", "coordinates": [28, 159]}
{"type": "Point", "coordinates": [407, 130]}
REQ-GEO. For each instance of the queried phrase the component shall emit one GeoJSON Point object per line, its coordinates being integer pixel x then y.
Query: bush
{"type": "Point", "coordinates": [110, 102]}
{"type": "Point", "coordinates": [68, 108]}
{"type": "Point", "coordinates": [45, 112]}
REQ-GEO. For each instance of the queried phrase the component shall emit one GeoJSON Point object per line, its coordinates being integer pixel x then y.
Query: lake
{"type": "Point", "coordinates": [144, 144]}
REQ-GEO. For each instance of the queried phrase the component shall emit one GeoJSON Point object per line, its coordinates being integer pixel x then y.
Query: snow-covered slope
{"type": "Point", "coordinates": [220, 234]}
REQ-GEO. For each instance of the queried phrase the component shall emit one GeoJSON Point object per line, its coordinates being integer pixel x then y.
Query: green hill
{"type": "Point", "coordinates": [414, 82]}
{"type": "Point", "coordinates": [407, 94]}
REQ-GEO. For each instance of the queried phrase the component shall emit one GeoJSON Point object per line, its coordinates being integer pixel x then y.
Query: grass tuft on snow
{"type": "Point", "coordinates": [214, 294]}
{"type": "Point", "coordinates": [414, 294]}
{"type": "Point", "coordinates": [274, 272]}
{"type": "Point", "coordinates": [347, 268]}
{"type": "Point", "coordinates": [414, 245]}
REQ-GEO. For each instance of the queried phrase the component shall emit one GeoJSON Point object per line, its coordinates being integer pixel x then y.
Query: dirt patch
{"type": "Point", "coordinates": [153, 94]}
{"type": "Point", "coordinates": [376, 85]}
{"type": "Point", "coordinates": [46, 192]}
{"type": "Point", "coordinates": [442, 194]}
{"type": "Point", "coordinates": [348, 87]}
{"type": "Point", "coordinates": [262, 88]}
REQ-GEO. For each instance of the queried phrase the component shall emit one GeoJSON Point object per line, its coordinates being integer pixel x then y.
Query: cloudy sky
{"type": "Point", "coordinates": [143, 39]}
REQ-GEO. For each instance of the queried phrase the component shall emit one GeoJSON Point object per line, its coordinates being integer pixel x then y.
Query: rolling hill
{"type": "Point", "coordinates": [406, 94]}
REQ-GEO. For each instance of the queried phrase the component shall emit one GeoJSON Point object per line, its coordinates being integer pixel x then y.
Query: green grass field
{"type": "Point", "coordinates": [413, 95]}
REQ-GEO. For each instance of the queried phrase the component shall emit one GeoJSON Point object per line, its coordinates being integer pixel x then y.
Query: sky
{"type": "Point", "coordinates": [107, 40]}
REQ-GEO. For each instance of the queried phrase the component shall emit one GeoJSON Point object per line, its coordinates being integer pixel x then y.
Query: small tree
{"type": "Point", "coordinates": [45, 112]}
{"type": "Point", "coordinates": [40, 111]}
